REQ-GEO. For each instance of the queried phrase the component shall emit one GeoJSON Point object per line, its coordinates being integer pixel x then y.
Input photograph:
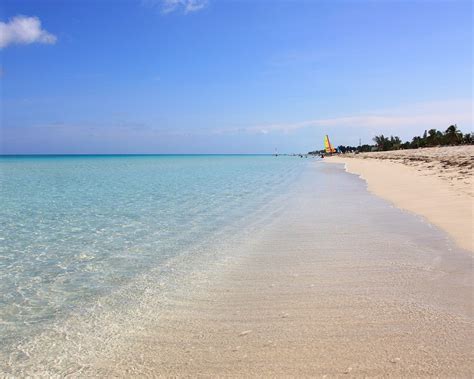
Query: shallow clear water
{"type": "Point", "coordinates": [74, 229]}
{"type": "Point", "coordinates": [97, 253]}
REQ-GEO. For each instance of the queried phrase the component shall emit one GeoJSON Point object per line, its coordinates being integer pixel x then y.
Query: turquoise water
{"type": "Point", "coordinates": [97, 253]}
{"type": "Point", "coordinates": [75, 229]}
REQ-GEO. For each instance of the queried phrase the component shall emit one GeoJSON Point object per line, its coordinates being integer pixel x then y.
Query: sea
{"type": "Point", "coordinates": [97, 252]}
{"type": "Point", "coordinates": [75, 230]}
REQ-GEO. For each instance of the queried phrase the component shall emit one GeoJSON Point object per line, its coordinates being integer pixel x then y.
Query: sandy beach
{"type": "Point", "coordinates": [332, 282]}
{"type": "Point", "coordinates": [436, 183]}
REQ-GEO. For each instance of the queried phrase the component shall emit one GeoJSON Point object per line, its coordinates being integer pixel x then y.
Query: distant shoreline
{"type": "Point", "coordinates": [435, 183]}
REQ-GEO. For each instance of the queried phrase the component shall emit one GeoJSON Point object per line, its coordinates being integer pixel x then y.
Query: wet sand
{"type": "Point", "coordinates": [334, 282]}
{"type": "Point", "coordinates": [436, 183]}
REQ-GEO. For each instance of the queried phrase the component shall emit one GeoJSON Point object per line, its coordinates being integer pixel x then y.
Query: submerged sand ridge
{"type": "Point", "coordinates": [334, 283]}
{"type": "Point", "coordinates": [436, 183]}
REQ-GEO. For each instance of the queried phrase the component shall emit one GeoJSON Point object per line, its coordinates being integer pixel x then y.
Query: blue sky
{"type": "Point", "coordinates": [219, 76]}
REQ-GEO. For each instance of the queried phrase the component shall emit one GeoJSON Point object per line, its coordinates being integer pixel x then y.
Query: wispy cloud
{"type": "Point", "coordinates": [24, 30]}
{"type": "Point", "coordinates": [438, 115]}
{"type": "Point", "coordinates": [170, 6]}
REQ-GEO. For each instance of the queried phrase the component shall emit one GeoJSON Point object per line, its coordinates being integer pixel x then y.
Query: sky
{"type": "Point", "coordinates": [223, 76]}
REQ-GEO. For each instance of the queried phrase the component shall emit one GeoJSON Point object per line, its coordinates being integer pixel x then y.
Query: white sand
{"type": "Point", "coordinates": [436, 183]}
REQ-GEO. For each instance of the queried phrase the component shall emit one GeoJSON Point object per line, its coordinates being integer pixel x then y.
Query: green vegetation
{"type": "Point", "coordinates": [452, 136]}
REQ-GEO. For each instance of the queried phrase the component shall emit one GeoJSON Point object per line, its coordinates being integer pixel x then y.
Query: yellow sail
{"type": "Point", "coordinates": [327, 145]}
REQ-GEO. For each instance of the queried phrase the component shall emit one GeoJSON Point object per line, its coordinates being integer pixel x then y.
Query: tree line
{"type": "Point", "coordinates": [450, 137]}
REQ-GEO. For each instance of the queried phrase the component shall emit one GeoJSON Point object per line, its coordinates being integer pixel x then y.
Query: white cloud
{"type": "Point", "coordinates": [438, 115]}
{"type": "Point", "coordinates": [24, 30]}
{"type": "Point", "coordinates": [188, 6]}
{"type": "Point", "coordinates": [194, 5]}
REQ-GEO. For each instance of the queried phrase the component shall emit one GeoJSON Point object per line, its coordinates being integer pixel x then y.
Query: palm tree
{"type": "Point", "coordinates": [435, 137]}
{"type": "Point", "coordinates": [382, 142]}
{"type": "Point", "coordinates": [395, 143]}
{"type": "Point", "coordinates": [452, 135]}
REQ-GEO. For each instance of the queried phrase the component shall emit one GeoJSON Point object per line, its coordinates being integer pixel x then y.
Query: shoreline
{"type": "Point", "coordinates": [311, 289]}
{"type": "Point", "coordinates": [435, 183]}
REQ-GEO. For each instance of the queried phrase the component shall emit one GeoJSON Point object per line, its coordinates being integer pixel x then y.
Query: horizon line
{"type": "Point", "coordinates": [133, 154]}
